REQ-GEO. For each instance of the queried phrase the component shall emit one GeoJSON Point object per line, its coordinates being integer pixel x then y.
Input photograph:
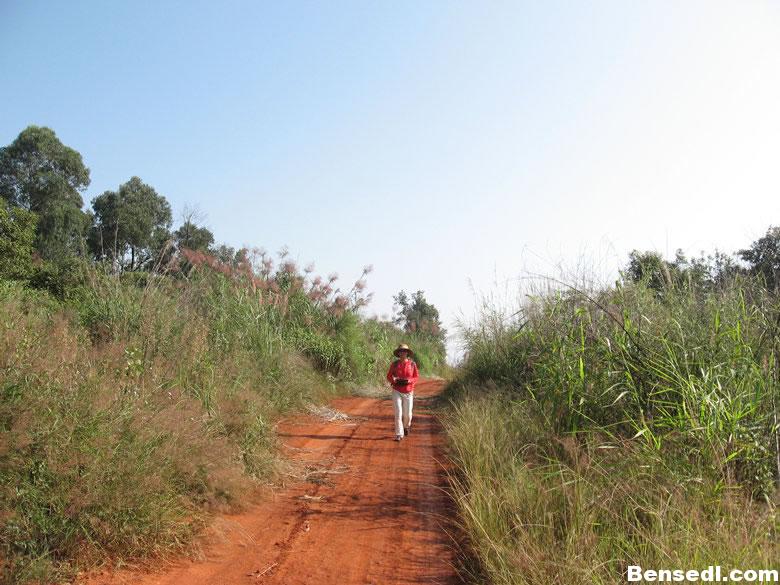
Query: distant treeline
{"type": "Point", "coordinates": [41, 181]}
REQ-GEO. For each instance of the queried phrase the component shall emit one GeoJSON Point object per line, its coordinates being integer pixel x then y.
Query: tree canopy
{"type": "Point", "coordinates": [193, 237]}
{"type": "Point", "coordinates": [658, 274]}
{"type": "Point", "coordinates": [43, 227]}
{"type": "Point", "coordinates": [416, 315]}
{"type": "Point", "coordinates": [40, 174]}
{"type": "Point", "coordinates": [763, 255]}
{"type": "Point", "coordinates": [135, 220]}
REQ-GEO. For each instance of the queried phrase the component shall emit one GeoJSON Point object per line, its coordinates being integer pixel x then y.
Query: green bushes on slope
{"type": "Point", "coordinates": [136, 406]}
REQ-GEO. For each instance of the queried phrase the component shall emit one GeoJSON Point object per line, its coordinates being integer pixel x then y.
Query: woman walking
{"type": "Point", "coordinates": [402, 376]}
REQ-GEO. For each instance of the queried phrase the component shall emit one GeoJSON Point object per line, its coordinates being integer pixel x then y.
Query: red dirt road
{"type": "Point", "coordinates": [370, 511]}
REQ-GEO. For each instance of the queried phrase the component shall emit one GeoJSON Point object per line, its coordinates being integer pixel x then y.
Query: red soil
{"type": "Point", "coordinates": [373, 511]}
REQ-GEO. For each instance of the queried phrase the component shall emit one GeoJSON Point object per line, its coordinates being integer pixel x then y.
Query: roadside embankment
{"type": "Point", "coordinates": [136, 407]}
{"type": "Point", "coordinates": [593, 431]}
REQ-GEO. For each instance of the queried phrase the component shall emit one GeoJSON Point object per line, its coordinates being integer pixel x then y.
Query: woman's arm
{"type": "Point", "coordinates": [390, 375]}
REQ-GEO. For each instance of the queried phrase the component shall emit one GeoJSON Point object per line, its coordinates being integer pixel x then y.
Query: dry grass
{"type": "Point", "coordinates": [542, 508]}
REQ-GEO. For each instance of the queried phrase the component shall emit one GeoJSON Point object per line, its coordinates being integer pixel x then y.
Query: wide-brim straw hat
{"type": "Point", "coordinates": [402, 347]}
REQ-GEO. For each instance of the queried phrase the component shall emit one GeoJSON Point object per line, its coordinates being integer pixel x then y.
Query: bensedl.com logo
{"type": "Point", "coordinates": [712, 574]}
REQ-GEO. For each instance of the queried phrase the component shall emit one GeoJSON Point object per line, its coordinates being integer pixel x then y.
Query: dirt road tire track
{"type": "Point", "coordinates": [377, 513]}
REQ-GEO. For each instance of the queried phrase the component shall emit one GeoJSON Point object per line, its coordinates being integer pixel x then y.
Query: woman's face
{"type": "Point", "coordinates": [403, 354]}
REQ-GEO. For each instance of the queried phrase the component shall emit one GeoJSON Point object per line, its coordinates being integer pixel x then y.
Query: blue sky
{"type": "Point", "coordinates": [450, 144]}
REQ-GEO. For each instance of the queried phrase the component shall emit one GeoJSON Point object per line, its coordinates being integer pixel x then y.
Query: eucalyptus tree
{"type": "Point", "coordinates": [763, 257]}
{"type": "Point", "coordinates": [416, 315]}
{"type": "Point", "coordinates": [131, 225]}
{"type": "Point", "coordinates": [40, 174]}
{"type": "Point", "coordinates": [193, 237]}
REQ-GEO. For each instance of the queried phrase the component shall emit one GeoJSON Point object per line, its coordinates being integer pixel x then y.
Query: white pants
{"type": "Point", "coordinates": [402, 406]}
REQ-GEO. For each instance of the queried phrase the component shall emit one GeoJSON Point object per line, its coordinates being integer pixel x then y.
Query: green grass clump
{"type": "Point", "coordinates": [597, 429]}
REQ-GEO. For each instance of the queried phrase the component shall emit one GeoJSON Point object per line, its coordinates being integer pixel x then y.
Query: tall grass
{"type": "Point", "coordinates": [143, 403]}
{"type": "Point", "coordinates": [593, 429]}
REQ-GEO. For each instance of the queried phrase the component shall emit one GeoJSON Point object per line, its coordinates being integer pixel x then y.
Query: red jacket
{"type": "Point", "coordinates": [407, 370]}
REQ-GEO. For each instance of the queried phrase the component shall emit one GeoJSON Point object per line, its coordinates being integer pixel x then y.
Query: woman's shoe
{"type": "Point", "coordinates": [398, 437]}
{"type": "Point", "coordinates": [407, 430]}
